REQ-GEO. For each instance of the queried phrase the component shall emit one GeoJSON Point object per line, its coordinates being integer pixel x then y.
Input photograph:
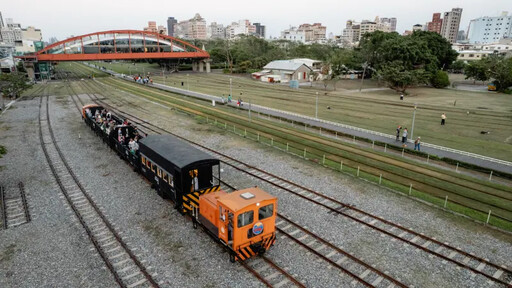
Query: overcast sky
{"type": "Point", "coordinates": [64, 18]}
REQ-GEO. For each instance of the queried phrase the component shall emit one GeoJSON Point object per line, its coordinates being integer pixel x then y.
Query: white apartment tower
{"type": "Point", "coordinates": [451, 22]}
{"type": "Point", "coordinates": [485, 30]}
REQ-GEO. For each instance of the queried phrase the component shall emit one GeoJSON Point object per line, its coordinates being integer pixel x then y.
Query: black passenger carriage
{"type": "Point", "coordinates": [112, 137]}
{"type": "Point", "coordinates": [178, 171]}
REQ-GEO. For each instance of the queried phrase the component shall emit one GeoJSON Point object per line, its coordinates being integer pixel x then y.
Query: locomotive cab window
{"type": "Point", "coordinates": [245, 219]}
{"type": "Point", "coordinates": [266, 211]}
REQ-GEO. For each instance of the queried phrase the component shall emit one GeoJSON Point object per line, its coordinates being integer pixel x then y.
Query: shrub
{"type": "Point", "coordinates": [440, 79]}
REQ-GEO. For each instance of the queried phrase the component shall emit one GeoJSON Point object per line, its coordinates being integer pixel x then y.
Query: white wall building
{"type": "Point", "coordinates": [216, 31]}
{"type": "Point", "coordinates": [293, 34]}
{"type": "Point", "coordinates": [242, 27]}
{"type": "Point", "coordinates": [490, 29]}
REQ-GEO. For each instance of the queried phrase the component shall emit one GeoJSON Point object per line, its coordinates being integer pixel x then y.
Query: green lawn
{"type": "Point", "coordinates": [379, 110]}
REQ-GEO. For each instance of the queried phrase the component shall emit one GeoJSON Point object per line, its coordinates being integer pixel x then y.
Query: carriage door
{"type": "Point", "coordinates": [225, 226]}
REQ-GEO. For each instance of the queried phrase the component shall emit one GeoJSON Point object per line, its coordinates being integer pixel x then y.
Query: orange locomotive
{"type": "Point", "coordinates": [243, 221]}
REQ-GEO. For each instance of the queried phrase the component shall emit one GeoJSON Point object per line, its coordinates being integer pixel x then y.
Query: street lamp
{"type": "Point", "coordinates": [163, 74]}
{"type": "Point", "coordinates": [413, 117]}
{"type": "Point", "coordinates": [230, 86]}
{"type": "Point", "coordinates": [365, 65]}
{"type": "Point", "coordinates": [316, 108]}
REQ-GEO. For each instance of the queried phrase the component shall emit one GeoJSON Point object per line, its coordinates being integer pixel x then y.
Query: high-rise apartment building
{"type": "Point", "coordinates": [171, 21]}
{"type": "Point", "coordinates": [194, 28]}
{"type": "Point", "coordinates": [436, 23]}
{"type": "Point", "coordinates": [313, 32]}
{"type": "Point", "coordinates": [242, 27]}
{"type": "Point", "coordinates": [486, 29]}
{"type": "Point", "coordinates": [354, 31]}
{"type": "Point", "coordinates": [351, 32]}
{"type": "Point", "coordinates": [260, 30]}
{"type": "Point", "coordinates": [1, 21]}
{"type": "Point", "coordinates": [216, 31]}
{"type": "Point", "coordinates": [451, 22]}
{"type": "Point", "coordinates": [391, 22]}
{"type": "Point", "coordinates": [12, 34]}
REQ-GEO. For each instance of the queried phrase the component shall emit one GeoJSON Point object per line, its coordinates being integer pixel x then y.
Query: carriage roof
{"type": "Point", "coordinates": [175, 151]}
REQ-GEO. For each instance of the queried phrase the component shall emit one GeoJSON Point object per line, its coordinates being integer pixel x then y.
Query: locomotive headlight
{"type": "Point", "coordinates": [257, 204]}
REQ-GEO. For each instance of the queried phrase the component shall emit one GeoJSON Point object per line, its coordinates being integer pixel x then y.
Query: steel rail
{"type": "Point", "coordinates": [4, 212]}
{"type": "Point", "coordinates": [24, 201]}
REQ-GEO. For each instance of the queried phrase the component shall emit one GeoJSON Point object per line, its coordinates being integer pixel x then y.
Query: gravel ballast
{"type": "Point", "coordinates": [182, 256]}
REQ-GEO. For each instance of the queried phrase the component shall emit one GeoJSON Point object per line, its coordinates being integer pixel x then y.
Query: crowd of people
{"type": "Point", "coordinates": [143, 80]}
{"type": "Point", "coordinates": [405, 133]}
{"type": "Point", "coordinates": [107, 124]}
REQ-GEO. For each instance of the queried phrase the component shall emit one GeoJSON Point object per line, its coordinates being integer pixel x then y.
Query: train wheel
{"type": "Point", "coordinates": [232, 258]}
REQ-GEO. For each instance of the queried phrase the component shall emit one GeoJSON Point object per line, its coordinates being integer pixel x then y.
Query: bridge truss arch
{"type": "Point", "coordinates": [118, 45]}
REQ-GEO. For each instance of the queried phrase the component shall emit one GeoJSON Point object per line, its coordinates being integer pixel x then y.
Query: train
{"type": "Point", "coordinates": [242, 221]}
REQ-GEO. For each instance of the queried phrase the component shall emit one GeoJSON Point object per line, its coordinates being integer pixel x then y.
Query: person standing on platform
{"type": "Point", "coordinates": [398, 132]}
{"type": "Point", "coordinates": [417, 143]}
{"type": "Point", "coordinates": [404, 138]}
{"type": "Point", "coordinates": [443, 119]}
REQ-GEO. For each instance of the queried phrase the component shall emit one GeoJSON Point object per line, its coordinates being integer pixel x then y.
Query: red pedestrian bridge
{"type": "Point", "coordinates": [118, 45]}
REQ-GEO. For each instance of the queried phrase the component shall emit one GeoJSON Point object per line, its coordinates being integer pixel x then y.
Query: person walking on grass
{"type": "Point", "coordinates": [404, 138]}
{"type": "Point", "coordinates": [443, 119]}
{"type": "Point", "coordinates": [398, 132]}
{"type": "Point", "coordinates": [417, 143]}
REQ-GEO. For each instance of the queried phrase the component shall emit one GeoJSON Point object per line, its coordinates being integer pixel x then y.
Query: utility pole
{"type": "Point", "coordinates": [230, 86]}
{"type": "Point", "coordinates": [316, 109]}
{"type": "Point", "coordinates": [250, 119]}
{"type": "Point", "coordinates": [365, 65]}
{"type": "Point", "coordinates": [163, 74]}
{"type": "Point", "coordinates": [413, 117]}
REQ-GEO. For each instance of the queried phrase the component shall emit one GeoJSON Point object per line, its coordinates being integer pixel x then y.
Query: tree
{"type": "Point", "coordinates": [370, 46]}
{"type": "Point", "coordinates": [439, 47]}
{"type": "Point", "coordinates": [458, 66]}
{"type": "Point", "coordinates": [405, 62]}
{"type": "Point", "coordinates": [477, 70]}
{"type": "Point", "coordinates": [440, 79]}
{"type": "Point", "coordinates": [399, 77]}
{"type": "Point", "coordinates": [500, 70]}
{"type": "Point", "coordinates": [13, 84]}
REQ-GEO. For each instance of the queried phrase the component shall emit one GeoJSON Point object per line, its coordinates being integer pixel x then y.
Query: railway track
{"type": "Point", "coordinates": [15, 210]}
{"type": "Point", "coordinates": [462, 190]}
{"type": "Point", "coordinates": [124, 264]}
{"type": "Point", "coordinates": [493, 272]}
{"type": "Point", "coordinates": [330, 253]}
{"type": "Point", "coordinates": [267, 271]}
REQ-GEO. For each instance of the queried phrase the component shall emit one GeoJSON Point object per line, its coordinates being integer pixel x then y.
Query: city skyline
{"type": "Point", "coordinates": [275, 16]}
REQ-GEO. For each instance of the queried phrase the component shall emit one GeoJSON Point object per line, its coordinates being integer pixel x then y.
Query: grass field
{"type": "Point", "coordinates": [379, 110]}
